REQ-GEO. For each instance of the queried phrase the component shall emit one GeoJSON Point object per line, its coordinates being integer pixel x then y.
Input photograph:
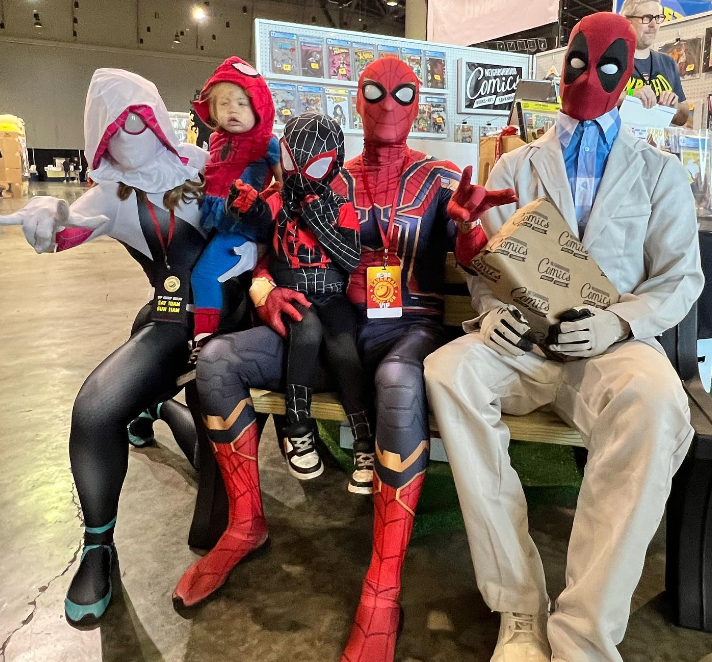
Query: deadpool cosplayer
{"type": "Point", "coordinates": [404, 201]}
{"type": "Point", "coordinates": [631, 206]}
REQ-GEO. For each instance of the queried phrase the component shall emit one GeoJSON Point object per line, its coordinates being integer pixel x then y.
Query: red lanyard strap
{"type": "Point", "coordinates": [388, 236]}
{"type": "Point", "coordinates": [165, 244]}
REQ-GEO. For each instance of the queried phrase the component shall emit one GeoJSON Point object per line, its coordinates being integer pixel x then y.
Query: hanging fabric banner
{"type": "Point", "coordinates": [465, 22]}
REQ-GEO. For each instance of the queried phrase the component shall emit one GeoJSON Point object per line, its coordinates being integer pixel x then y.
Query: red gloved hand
{"type": "Point", "coordinates": [273, 189]}
{"type": "Point", "coordinates": [245, 196]}
{"type": "Point", "coordinates": [278, 302]}
{"type": "Point", "coordinates": [470, 201]}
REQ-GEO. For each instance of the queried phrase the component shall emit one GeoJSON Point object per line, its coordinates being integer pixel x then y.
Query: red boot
{"type": "Point", "coordinates": [246, 529]}
{"type": "Point", "coordinates": [379, 617]}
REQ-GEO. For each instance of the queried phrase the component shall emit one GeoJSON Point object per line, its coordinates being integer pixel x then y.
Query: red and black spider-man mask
{"type": "Point", "coordinates": [387, 100]}
{"type": "Point", "coordinates": [598, 64]}
{"type": "Point", "coordinates": [312, 153]}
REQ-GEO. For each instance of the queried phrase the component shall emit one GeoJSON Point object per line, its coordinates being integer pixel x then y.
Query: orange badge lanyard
{"type": "Point", "coordinates": [388, 236]}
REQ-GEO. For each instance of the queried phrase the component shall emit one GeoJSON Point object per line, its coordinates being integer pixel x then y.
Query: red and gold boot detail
{"type": "Point", "coordinates": [246, 530]}
{"type": "Point", "coordinates": [378, 618]}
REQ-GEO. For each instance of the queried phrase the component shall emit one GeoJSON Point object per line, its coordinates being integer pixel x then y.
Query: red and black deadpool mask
{"type": "Point", "coordinates": [598, 64]}
{"type": "Point", "coordinates": [387, 100]}
{"type": "Point", "coordinates": [312, 154]}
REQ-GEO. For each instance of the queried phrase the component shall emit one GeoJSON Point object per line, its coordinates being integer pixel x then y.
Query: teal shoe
{"type": "Point", "coordinates": [89, 593]}
{"type": "Point", "coordinates": [141, 430]}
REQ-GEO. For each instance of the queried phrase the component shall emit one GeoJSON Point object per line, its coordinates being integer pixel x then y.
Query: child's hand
{"type": "Point", "coordinates": [242, 196]}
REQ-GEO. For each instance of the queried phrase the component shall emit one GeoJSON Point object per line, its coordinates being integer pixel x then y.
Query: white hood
{"type": "Point", "coordinates": [112, 92]}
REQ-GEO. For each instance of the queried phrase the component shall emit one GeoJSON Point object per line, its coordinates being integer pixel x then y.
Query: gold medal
{"type": "Point", "coordinates": [172, 284]}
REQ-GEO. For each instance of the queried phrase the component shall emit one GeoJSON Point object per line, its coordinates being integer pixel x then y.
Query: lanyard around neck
{"type": "Point", "coordinates": [388, 235]}
{"type": "Point", "coordinates": [165, 243]}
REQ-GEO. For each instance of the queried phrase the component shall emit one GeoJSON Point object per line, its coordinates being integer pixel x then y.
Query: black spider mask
{"type": "Point", "coordinates": [312, 153]}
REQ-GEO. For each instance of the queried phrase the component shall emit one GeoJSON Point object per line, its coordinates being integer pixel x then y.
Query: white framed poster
{"type": "Point", "coordinates": [486, 88]}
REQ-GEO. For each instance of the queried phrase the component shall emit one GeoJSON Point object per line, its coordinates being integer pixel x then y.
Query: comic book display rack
{"type": "Point", "coordinates": [317, 69]}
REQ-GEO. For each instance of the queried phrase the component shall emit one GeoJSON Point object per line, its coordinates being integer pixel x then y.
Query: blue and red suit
{"type": "Point", "coordinates": [388, 174]}
{"type": "Point", "coordinates": [249, 156]}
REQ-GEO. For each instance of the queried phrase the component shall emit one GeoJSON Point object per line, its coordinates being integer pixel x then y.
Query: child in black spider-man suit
{"type": "Point", "coordinates": [316, 245]}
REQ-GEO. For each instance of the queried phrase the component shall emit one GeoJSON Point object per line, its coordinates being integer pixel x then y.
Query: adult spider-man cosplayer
{"type": "Point", "coordinates": [387, 176]}
{"type": "Point", "coordinates": [315, 246]}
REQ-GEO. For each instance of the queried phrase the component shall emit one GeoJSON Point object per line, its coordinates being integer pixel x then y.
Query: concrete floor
{"type": "Point", "coordinates": [61, 315]}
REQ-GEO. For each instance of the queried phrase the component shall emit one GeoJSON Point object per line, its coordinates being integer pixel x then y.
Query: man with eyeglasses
{"type": "Point", "coordinates": [656, 78]}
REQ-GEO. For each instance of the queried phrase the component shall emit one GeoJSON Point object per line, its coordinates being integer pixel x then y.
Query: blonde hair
{"type": "Point", "coordinates": [211, 96]}
{"type": "Point", "coordinates": [630, 7]}
{"type": "Point", "coordinates": [189, 190]}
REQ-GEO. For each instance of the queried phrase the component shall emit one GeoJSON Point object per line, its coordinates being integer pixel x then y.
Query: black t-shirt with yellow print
{"type": "Point", "coordinates": [660, 72]}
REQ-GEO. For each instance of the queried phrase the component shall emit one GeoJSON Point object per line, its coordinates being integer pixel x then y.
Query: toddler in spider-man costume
{"type": "Point", "coordinates": [237, 103]}
{"type": "Point", "coordinates": [315, 246]}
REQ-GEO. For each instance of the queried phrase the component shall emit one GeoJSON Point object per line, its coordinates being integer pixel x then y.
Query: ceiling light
{"type": "Point", "coordinates": [199, 14]}
{"type": "Point", "coordinates": [392, 3]}
{"type": "Point", "coordinates": [176, 39]}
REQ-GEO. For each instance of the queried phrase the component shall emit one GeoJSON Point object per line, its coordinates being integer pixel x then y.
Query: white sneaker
{"type": "Point", "coordinates": [303, 460]}
{"type": "Point", "coordinates": [522, 638]}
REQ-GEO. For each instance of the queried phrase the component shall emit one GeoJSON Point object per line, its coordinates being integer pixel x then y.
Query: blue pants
{"type": "Point", "coordinates": [217, 259]}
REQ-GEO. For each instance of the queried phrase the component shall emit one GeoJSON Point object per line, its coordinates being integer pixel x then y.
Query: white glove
{"type": "Point", "coordinates": [506, 331]}
{"type": "Point", "coordinates": [43, 217]}
{"type": "Point", "coordinates": [584, 332]}
{"type": "Point", "coordinates": [248, 259]}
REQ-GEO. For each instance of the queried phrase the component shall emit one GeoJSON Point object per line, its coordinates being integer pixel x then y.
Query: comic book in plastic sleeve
{"type": "Point", "coordinates": [339, 59]}
{"type": "Point", "coordinates": [438, 114]}
{"type": "Point", "coordinates": [364, 54]}
{"type": "Point", "coordinates": [284, 96]}
{"type": "Point", "coordinates": [283, 52]}
{"type": "Point", "coordinates": [338, 106]}
{"type": "Point", "coordinates": [356, 121]}
{"type": "Point", "coordinates": [385, 50]}
{"type": "Point", "coordinates": [311, 53]}
{"type": "Point", "coordinates": [435, 75]}
{"type": "Point", "coordinates": [413, 57]}
{"type": "Point", "coordinates": [423, 120]}
{"type": "Point", "coordinates": [311, 99]}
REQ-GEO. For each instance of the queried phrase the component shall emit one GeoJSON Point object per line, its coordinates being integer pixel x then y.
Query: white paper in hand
{"type": "Point", "coordinates": [633, 114]}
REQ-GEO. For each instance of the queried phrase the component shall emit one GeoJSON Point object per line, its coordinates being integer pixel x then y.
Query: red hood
{"type": "Point", "coordinates": [237, 71]}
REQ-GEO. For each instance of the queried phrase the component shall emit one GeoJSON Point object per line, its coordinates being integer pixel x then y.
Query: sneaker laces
{"type": "Point", "coordinates": [363, 460]}
{"type": "Point", "coordinates": [303, 445]}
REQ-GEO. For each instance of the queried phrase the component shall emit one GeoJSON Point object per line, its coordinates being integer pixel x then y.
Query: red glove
{"type": "Point", "coordinates": [278, 302]}
{"type": "Point", "coordinates": [470, 201]}
{"type": "Point", "coordinates": [274, 188]}
{"type": "Point", "coordinates": [245, 196]}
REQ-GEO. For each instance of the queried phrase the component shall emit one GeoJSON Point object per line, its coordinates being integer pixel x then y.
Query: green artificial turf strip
{"type": "Point", "coordinates": [549, 474]}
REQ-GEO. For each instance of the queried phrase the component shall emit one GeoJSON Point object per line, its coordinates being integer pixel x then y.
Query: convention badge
{"type": "Point", "coordinates": [170, 301]}
{"type": "Point", "coordinates": [384, 297]}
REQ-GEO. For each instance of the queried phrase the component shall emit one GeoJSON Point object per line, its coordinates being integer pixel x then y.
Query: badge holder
{"type": "Point", "coordinates": [172, 288]}
{"type": "Point", "coordinates": [384, 295]}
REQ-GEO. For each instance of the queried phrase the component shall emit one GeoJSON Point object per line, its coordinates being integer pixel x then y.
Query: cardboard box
{"type": "Point", "coordinates": [10, 154]}
{"type": "Point", "coordinates": [488, 152]}
{"type": "Point", "coordinates": [538, 264]}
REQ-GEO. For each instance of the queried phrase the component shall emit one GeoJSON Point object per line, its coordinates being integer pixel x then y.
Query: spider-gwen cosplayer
{"type": "Point", "coordinates": [146, 197]}
{"type": "Point", "coordinates": [315, 246]}
{"type": "Point", "coordinates": [401, 198]}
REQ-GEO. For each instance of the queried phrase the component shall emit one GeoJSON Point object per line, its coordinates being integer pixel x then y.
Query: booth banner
{"type": "Point", "coordinates": [486, 86]}
{"type": "Point", "coordinates": [467, 22]}
{"type": "Point", "coordinates": [674, 9]}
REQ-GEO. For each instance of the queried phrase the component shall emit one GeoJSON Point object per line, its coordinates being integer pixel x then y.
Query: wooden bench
{"type": "Point", "coordinates": [689, 513]}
